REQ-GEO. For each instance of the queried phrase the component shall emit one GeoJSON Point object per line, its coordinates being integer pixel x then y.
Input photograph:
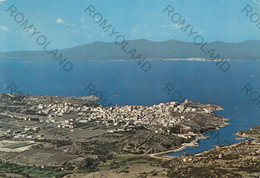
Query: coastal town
{"type": "Point", "coordinates": [72, 133]}
{"type": "Point", "coordinates": [115, 119]}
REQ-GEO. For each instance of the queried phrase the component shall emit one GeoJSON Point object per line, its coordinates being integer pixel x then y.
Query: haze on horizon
{"type": "Point", "coordinates": [66, 25]}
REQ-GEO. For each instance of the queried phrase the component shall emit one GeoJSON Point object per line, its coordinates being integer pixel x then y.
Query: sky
{"type": "Point", "coordinates": [65, 24]}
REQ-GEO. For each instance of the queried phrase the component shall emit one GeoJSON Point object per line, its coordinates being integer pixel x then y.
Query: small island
{"type": "Point", "coordinates": [58, 136]}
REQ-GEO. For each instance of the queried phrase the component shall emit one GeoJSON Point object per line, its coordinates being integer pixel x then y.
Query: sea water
{"type": "Point", "coordinates": [124, 83]}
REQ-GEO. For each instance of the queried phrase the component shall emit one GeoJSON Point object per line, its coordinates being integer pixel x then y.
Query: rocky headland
{"type": "Point", "coordinates": [71, 135]}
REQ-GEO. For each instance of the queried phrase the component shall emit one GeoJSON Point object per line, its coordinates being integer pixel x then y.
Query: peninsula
{"type": "Point", "coordinates": [56, 136]}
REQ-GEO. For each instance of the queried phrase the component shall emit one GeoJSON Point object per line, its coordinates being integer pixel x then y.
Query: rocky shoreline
{"type": "Point", "coordinates": [252, 133]}
{"type": "Point", "coordinates": [237, 160]}
{"type": "Point", "coordinates": [77, 134]}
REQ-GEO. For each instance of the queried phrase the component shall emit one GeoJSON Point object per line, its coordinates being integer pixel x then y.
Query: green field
{"type": "Point", "coordinates": [31, 171]}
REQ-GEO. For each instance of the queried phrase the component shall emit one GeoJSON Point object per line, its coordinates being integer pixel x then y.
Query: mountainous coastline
{"type": "Point", "coordinates": [172, 49]}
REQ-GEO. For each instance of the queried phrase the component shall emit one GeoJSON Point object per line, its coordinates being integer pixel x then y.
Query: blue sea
{"type": "Point", "coordinates": [125, 83]}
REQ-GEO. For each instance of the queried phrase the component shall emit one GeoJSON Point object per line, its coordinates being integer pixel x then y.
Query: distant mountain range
{"type": "Point", "coordinates": [172, 49]}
